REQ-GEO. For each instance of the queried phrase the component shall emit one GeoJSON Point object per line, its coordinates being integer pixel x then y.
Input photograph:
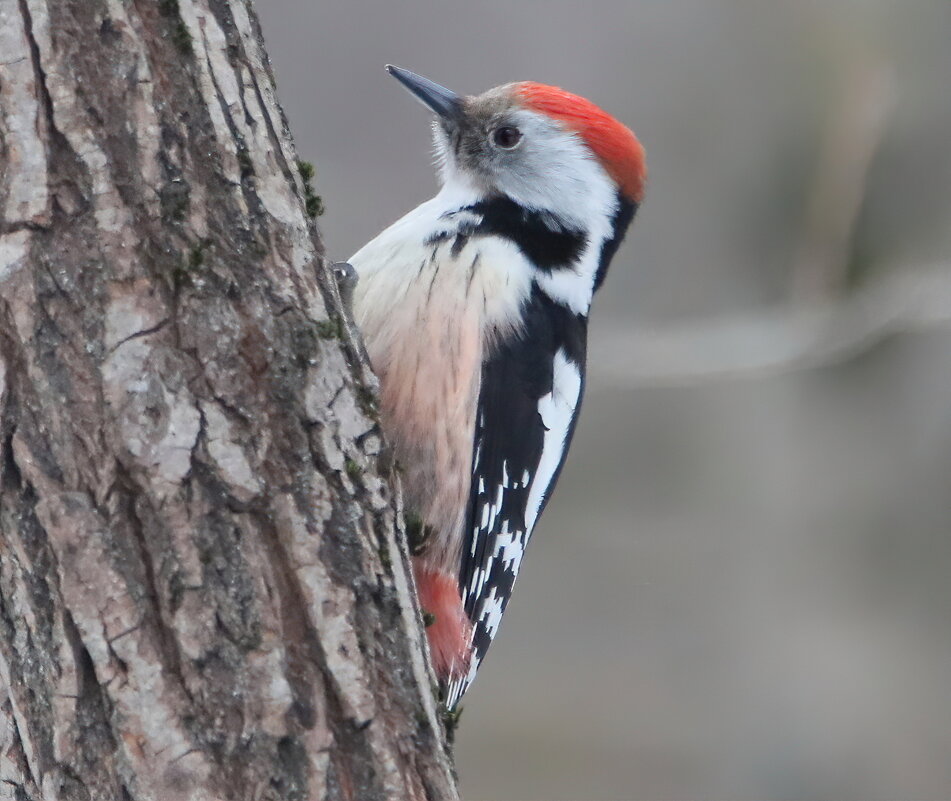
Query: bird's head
{"type": "Point", "coordinates": [543, 147]}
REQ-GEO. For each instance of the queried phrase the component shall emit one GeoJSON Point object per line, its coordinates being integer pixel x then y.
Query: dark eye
{"type": "Point", "coordinates": [506, 137]}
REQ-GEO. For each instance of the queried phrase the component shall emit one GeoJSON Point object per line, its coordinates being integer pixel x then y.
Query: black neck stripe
{"type": "Point", "coordinates": [546, 243]}
{"type": "Point", "coordinates": [619, 225]}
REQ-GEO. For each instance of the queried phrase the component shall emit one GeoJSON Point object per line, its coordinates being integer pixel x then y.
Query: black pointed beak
{"type": "Point", "coordinates": [447, 104]}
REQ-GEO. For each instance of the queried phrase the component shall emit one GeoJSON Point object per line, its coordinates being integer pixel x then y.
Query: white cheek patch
{"type": "Point", "coordinates": [561, 177]}
{"type": "Point", "coordinates": [554, 171]}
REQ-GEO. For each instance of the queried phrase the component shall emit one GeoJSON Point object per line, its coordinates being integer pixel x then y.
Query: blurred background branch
{"type": "Point", "coordinates": [824, 322]}
{"type": "Point", "coordinates": [779, 340]}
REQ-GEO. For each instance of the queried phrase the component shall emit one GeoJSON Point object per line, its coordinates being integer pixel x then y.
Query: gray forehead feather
{"type": "Point", "coordinates": [490, 105]}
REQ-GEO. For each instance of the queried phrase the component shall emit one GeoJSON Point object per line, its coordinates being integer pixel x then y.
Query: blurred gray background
{"type": "Point", "coordinates": [742, 588]}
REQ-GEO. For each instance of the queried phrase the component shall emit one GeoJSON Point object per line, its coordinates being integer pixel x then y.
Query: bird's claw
{"type": "Point", "coordinates": [346, 277]}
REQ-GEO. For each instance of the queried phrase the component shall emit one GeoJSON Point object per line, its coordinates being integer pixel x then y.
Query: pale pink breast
{"type": "Point", "coordinates": [428, 359]}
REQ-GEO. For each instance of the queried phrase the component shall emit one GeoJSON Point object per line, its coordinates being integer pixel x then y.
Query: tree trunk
{"type": "Point", "coordinates": [203, 584]}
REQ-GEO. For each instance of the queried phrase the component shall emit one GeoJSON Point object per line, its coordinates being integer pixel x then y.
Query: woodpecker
{"type": "Point", "coordinates": [474, 311]}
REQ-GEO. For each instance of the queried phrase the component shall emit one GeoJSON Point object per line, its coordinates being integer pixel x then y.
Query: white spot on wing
{"type": "Point", "coordinates": [557, 410]}
{"type": "Point", "coordinates": [492, 613]}
{"type": "Point", "coordinates": [570, 288]}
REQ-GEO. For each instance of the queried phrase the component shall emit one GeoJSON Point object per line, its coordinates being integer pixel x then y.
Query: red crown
{"type": "Point", "coordinates": [615, 145]}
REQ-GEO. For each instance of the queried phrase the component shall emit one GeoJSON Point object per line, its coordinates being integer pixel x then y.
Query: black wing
{"type": "Point", "coordinates": [528, 404]}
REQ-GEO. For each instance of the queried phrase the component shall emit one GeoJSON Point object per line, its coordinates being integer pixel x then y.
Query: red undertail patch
{"type": "Point", "coordinates": [450, 632]}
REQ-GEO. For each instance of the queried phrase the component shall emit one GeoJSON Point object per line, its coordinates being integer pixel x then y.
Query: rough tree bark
{"type": "Point", "coordinates": [203, 590]}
